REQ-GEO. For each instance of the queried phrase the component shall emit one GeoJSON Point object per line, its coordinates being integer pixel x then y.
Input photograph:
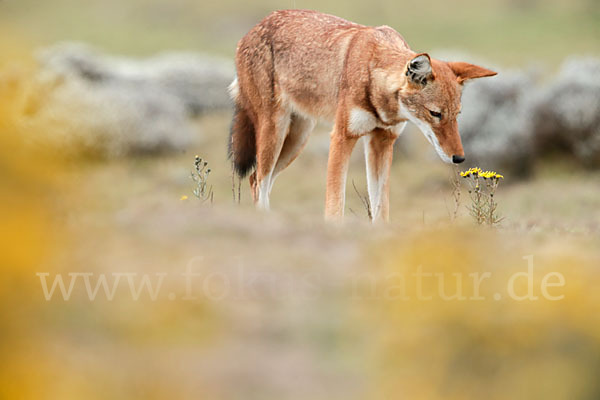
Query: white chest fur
{"type": "Point", "coordinates": [362, 122]}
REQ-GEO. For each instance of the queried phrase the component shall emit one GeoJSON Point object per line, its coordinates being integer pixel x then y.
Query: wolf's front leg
{"type": "Point", "coordinates": [340, 150]}
{"type": "Point", "coordinates": [379, 150]}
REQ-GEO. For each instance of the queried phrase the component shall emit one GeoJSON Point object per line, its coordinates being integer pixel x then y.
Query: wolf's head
{"type": "Point", "coordinates": [430, 98]}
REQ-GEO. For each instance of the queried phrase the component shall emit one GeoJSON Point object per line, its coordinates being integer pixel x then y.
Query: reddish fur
{"type": "Point", "coordinates": [297, 65]}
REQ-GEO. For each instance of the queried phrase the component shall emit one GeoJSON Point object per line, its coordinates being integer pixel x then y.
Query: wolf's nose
{"type": "Point", "coordinates": [457, 159]}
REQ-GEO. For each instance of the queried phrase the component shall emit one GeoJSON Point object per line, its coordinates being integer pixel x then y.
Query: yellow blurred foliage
{"type": "Point", "coordinates": [487, 344]}
{"type": "Point", "coordinates": [28, 233]}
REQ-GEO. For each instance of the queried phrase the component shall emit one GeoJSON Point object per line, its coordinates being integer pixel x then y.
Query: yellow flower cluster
{"type": "Point", "coordinates": [491, 175]}
{"type": "Point", "coordinates": [484, 174]}
{"type": "Point", "coordinates": [472, 171]}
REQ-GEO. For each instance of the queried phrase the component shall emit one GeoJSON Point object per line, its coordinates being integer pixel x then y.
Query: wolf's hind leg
{"type": "Point", "coordinates": [300, 129]}
{"type": "Point", "coordinates": [271, 134]}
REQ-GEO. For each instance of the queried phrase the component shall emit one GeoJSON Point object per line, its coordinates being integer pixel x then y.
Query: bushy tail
{"type": "Point", "coordinates": [242, 142]}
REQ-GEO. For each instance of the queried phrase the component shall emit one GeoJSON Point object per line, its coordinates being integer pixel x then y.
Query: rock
{"type": "Point", "coordinates": [495, 122]}
{"type": "Point", "coordinates": [113, 106]}
{"type": "Point", "coordinates": [199, 81]}
{"type": "Point", "coordinates": [566, 113]}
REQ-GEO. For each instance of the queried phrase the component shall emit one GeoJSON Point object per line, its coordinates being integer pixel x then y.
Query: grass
{"type": "Point", "coordinates": [128, 215]}
{"type": "Point", "coordinates": [419, 184]}
{"type": "Point", "coordinates": [295, 322]}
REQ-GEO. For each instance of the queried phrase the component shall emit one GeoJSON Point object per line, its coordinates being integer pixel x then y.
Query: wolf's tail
{"type": "Point", "coordinates": [242, 142]}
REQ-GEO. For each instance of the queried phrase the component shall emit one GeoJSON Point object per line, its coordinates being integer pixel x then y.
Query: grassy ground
{"type": "Point", "coordinates": [286, 306]}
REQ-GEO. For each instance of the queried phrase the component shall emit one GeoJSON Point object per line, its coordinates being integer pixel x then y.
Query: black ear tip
{"type": "Point", "coordinates": [420, 58]}
{"type": "Point", "coordinates": [419, 69]}
{"type": "Point", "coordinates": [419, 63]}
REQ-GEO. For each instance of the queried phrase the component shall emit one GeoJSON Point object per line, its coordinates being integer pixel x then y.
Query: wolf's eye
{"type": "Point", "coordinates": [435, 114]}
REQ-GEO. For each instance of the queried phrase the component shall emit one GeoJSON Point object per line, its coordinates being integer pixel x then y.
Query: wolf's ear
{"type": "Point", "coordinates": [419, 69]}
{"type": "Point", "coordinates": [465, 71]}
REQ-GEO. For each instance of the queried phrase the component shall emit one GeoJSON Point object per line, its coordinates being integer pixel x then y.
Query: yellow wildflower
{"type": "Point", "coordinates": [471, 171]}
{"type": "Point", "coordinates": [184, 197]}
{"type": "Point", "coordinates": [491, 175]}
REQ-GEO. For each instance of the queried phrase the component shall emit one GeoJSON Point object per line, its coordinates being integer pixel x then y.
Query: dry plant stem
{"type": "Point", "coordinates": [365, 200]}
{"type": "Point", "coordinates": [478, 204]}
{"type": "Point", "coordinates": [491, 217]}
{"type": "Point", "coordinates": [455, 180]}
{"type": "Point", "coordinates": [239, 186]}
{"type": "Point", "coordinates": [483, 205]}
{"type": "Point", "coordinates": [237, 198]}
{"type": "Point", "coordinates": [200, 177]}
{"type": "Point", "coordinates": [232, 181]}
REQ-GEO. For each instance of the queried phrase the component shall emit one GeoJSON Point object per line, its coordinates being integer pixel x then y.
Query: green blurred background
{"type": "Point", "coordinates": [512, 32]}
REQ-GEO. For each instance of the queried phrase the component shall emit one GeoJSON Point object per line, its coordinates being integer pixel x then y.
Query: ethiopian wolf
{"type": "Point", "coordinates": [298, 66]}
